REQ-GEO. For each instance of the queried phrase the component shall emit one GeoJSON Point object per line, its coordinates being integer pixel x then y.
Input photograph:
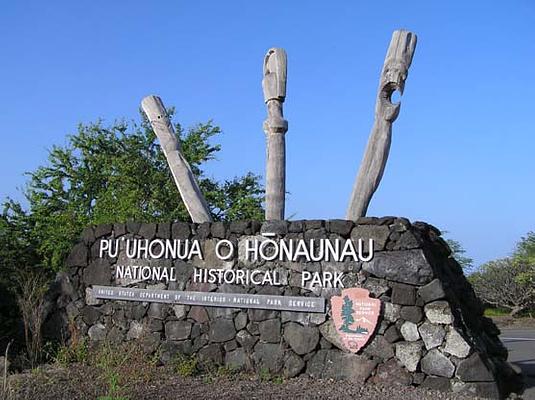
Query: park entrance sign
{"type": "Point", "coordinates": [379, 299]}
{"type": "Point", "coordinates": [139, 253]}
{"type": "Point", "coordinates": [364, 299]}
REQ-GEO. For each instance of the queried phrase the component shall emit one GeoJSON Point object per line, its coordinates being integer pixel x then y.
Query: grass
{"type": "Point", "coordinates": [106, 357]}
{"type": "Point", "coordinates": [121, 367]}
{"type": "Point", "coordinates": [212, 373]}
{"type": "Point", "coordinates": [189, 366]}
{"type": "Point", "coordinates": [264, 375]}
{"type": "Point", "coordinates": [75, 352]}
{"type": "Point", "coordinates": [496, 312]}
{"type": "Point", "coordinates": [185, 365]}
{"type": "Point", "coordinates": [118, 365]}
{"type": "Point", "coordinates": [502, 312]}
{"type": "Point", "coordinates": [119, 370]}
{"type": "Point", "coordinates": [113, 388]}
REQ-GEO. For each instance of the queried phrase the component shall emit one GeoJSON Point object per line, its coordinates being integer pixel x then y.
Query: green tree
{"type": "Point", "coordinates": [18, 248]}
{"type": "Point", "coordinates": [509, 282]}
{"type": "Point", "coordinates": [497, 283]}
{"type": "Point", "coordinates": [118, 173]}
{"type": "Point", "coordinates": [524, 258]}
{"type": "Point", "coordinates": [18, 253]}
{"type": "Point", "coordinates": [347, 314]}
{"type": "Point", "coordinates": [459, 253]}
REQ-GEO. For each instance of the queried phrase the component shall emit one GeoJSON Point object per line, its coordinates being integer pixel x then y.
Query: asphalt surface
{"type": "Point", "coordinates": [521, 346]}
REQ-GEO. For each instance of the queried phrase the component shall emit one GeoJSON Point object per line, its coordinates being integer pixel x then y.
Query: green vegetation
{"type": "Point", "coordinates": [185, 365]}
{"type": "Point", "coordinates": [122, 365]}
{"type": "Point", "coordinates": [18, 256]}
{"type": "Point", "coordinates": [191, 365]}
{"type": "Point", "coordinates": [496, 312]}
{"type": "Point", "coordinates": [113, 388]}
{"type": "Point", "coordinates": [264, 375]}
{"type": "Point", "coordinates": [524, 257]}
{"type": "Point", "coordinates": [106, 174]}
{"type": "Point", "coordinates": [118, 173]}
{"type": "Point", "coordinates": [506, 286]}
{"type": "Point", "coordinates": [508, 283]}
{"type": "Point", "coordinates": [226, 371]}
{"type": "Point", "coordinates": [459, 253]}
{"type": "Point", "coordinates": [211, 372]}
{"type": "Point", "coordinates": [76, 351]}
{"type": "Point", "coordinates": [109, 360]}
{"type": "Point", "coordinates": [33, 286]}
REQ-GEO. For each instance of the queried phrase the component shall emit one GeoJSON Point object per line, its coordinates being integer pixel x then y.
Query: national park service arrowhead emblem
{"type": "Point", "coordinates": [355, 316]}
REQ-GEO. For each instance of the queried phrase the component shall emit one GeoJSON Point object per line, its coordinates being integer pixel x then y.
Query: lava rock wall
{"type": "Point", "coordinates": [431, 331]}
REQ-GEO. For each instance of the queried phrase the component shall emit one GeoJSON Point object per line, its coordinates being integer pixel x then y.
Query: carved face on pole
{"type": "Point", "coordinates": [395, 71]}
{"type": "Point", "coordinates": [275, 69]}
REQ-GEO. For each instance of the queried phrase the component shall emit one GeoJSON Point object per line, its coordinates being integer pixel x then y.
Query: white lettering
{"type": "Point", "coordinates": [230, 246]}
{"type": "Point", "coordinates": [104, 246]}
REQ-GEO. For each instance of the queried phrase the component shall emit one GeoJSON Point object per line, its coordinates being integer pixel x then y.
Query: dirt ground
{"type": "Point", "coordinates": [136, 380]}
{"type": "Point", "coordinates": [53, 382]}
{"type": "Point", "coordinates": [514, 323]}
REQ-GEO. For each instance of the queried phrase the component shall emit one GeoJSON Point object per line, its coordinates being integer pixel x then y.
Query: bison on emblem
{"type": "Point", "coordinates": [355, 316]}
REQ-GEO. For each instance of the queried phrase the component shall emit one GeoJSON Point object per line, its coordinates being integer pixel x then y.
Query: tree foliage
{"type": "Point", "coordinates": [496, 283]}
{"type": "Point", "coordinates": [116, 173]}
{"type": "Point", "coordinates": [509, 282]}
{"type": "Point", "coordinates": [524, 257]}
{"type": "Point", "coordinates": [459, 253]}
{"type": "Point", "coordinates": [18, 248]}
{"type": "Point", "coordinates": [18, 252]}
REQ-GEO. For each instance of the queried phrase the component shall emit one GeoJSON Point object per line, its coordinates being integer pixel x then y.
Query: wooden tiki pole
{"type": "Point", "coordinates": [395, 69]}
{"type": "Point", "coordinates": [184, 178]}
{"type": "Point", "coordinates": [275, 127]}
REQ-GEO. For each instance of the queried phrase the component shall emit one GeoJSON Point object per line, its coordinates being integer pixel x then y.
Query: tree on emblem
{"type": "Point", "coordinates": [347, 314]}
{"type": "Point", "coordinates": [347, 317]}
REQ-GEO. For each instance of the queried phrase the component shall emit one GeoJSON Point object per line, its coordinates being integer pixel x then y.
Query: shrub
{"type": "Point", "coordinates": [264, 375]}
{"type": "Point", "coordinates": [499, 284]}
{"type": "Point", "coordinates": [32, 287]}
{"type": "Point", "coordinates": [185, 365]}
{"type": "Point", "coordinates": [122, 365]}
{"type": "Point", "coordinates": [76, 350]}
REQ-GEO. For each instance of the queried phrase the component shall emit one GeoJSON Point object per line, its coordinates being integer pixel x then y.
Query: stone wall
{"type": "Point", "coordinates": [431, 330]}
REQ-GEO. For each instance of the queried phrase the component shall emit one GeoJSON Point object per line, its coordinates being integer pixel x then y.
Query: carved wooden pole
{"type": "Point", "coordinates": [395, 69]}
{"type": "Point", "coordinates": [184, 178]}
{"type": "Point", "coordinates": [275, 127]}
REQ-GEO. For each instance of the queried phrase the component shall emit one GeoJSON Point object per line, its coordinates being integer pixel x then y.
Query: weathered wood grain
{"type": "Point", "coordinates": [184, 178]}
{"type": "Point", "coordinates": [275, 127]}
{"type": "Point", "coordinates": [395, 69]}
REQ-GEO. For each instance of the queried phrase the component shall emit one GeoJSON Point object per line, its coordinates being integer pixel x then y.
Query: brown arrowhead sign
{"type": "Point", "coordinates": [355, 316]}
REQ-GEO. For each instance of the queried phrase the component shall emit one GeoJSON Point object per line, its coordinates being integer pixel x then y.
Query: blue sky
{"type": "Point", "coordinates": [462, 150]}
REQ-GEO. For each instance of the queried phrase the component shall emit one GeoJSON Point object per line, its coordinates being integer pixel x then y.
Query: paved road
{"type": "Point", "coordinates": [521, 346]}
